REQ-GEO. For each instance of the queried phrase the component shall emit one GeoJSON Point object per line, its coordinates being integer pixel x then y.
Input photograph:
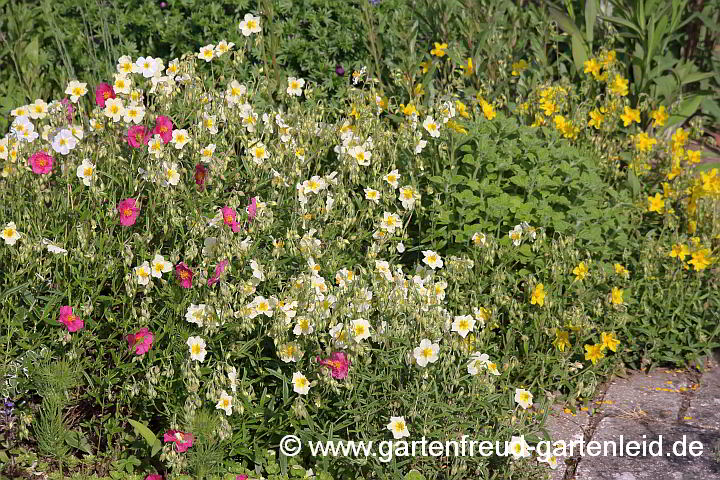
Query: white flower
{"type": "Point", "coordinates": [261, 305]}
{"type": "Point", "coordinates": [360, 329]}
{"type": "Point", "coordinates": [114, 109]}
{"type": "Point", "coordinates": [477, 362]}
{"type": "Point", "coordinates": [232, 376]}
{"type": "Point", "coordinates": [550, 459]}
{"type": "Point", "coordinates": [197, 348]}
{"type": "Point", "coordinates": [52, 248]}
{"type": "Point", "coordinates": [523, 398]}
{"type": "Point", "coordinates": [143, 273]}
{"type": "Point", "coordinates": [225, 402]}
{"type": "Point", "coordinates": [479, 239]}
{"type": "Point", "coordinates": [383, 268]}
{"type": "Point", "coordinates": [125, 65]}
{"type": "Point", "coordinates": [160, 266]}
{"type": "Point", "coordinates": [38, 110]}
{"type": "Point", "coordinates": [407, 197]}
{"type": "Point", "coordinates": [289, 352]}
{"type": "Point", "coordinates": [392, 178]}
{"type": "Point", "coordinates": [431, 126]}
{"type": "Point", "coordinates": [76, 90]}
{"type": "Point", "coordinates": [122, 84]}
{"type": "Point", "coordinates": [196, 314]}
{"type": "Point", "coordinates": [207, 153]}
{"type": "Point", "coordinates": [223, 47]}
{"type": "Point", "coordinates": [390, 222]}
{"type": "Point", "coordinates": [516, 235]}
{"type": "Point", "coordinates": [372, 195]}
{"type": "Point", "coordinates": [303, 326]}
{"type": "Point", "coordinates": [295, 86]}
{"type": "Point", "coordinates": [134, 114]}
{"type": "Point", "coordinates": [145, 66]}
{"type": "Point", "coordinates": [180, 138]}
{"type": "Point", "coordinates": [257, 270]}
{"type": "Point", "coordinates": [156, 146]}
{"type": "Point", "coordinates": [519, 447]}
{"type": "Point", "coordinates": [426, 353]}
{"type": "Point", "coordinates": [64, 142]}
{"type": "Point", "coordinates": [301, 384]}
{"type": "Point", "coordinates": [361, 156]}
{"type": "Point", "coordinates": [339, 335]}
{"type": "Point", "coordinates": [398, 427]}
{"type": "Point", "coordinates": [250, 25]}
{"type": "Point", "coordinates": [234, 91]}
{"type": "Point", "coordinates": [420, 146]}
{"type": "Point", "coordinates": [10, 234]}
{"type": "Point", "coordinates": [463, 324]}
{"type": "Point", "coordinates": [172, 177]}
{"type": "Point", "coordinates": [85, 172]}
{"type": "Point", "coordinates": [210, 122]}
{"type": "Point", "coordinates": [207, 52]}
{"type": "Point", "coordinates": [432, 259]}
{"type": "Point", "coordinates": [400, 247]}
{"type": "Point", "coordinates": [259, 153]}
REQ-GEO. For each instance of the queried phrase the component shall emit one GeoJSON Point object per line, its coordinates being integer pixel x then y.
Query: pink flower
{"type": "Point", "coordinates": [182, 440]}
{"type": "Point", "coordinates": [229, 217]}
{"type": "Point", "coordinates": [102, 92]}
{"type": "Point", "coordinates": [141, 341]}
{"type": "Point", "coordinates": [154, 476]}
{"type": "Point", "coordinates": [72, 322]}
{"type": "Point", "coordinates": [128, 212]}
{"type": "Point", "coordinates": [339, 364]}
{"type": "Point", "coordinates": [41, 162]}
{"type": "Point", "coordinates": [200, 174]}
{"type": "Point", "coordinates": [184, 274]}
{"type": "Point", "coordinates": [241, 477]}
{"type": "Point", "coordinates": [70, 108]}
{"type": "Point", "coordinates": [219, 270]}
{"type": "Point", "coordinates": [138, 136]}
{"type": "Point", "coordinates": [252, 208]}
{"type": "Point", "coordinates": [164, 128]}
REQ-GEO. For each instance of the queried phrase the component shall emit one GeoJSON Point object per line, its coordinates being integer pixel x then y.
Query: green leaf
{"type": "Point", "coordinates": [591, 11]}
{"type": "Point", "coordinates": [32, 51]}
{"type": "Point", "coordinates": [634, 183]}
{"type": "Point", "coordinates": [414, 475]}
{"type": "Point", "coordinates": [579, 52]}
{"type": "Point", "coordinates": [623, 22]}
{"type": "Point", "coordinates": [696, 77]}
{"type": "Point", "coordinates": [147, 434]}
{"type": "Point", "coordinates": [685, 110]}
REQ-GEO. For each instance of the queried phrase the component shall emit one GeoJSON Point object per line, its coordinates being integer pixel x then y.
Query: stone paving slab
{"type": "Point", "coordinates": [656, 395]}
{"type": "Point", "coordinates": [666, 467]}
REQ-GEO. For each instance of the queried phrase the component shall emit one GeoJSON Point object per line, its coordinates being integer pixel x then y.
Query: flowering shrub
{"type": "Point", "coordinates": [228, 261]}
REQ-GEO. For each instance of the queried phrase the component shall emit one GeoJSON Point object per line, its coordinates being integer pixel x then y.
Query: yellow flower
{"type": "Point", "coordinates": [596, 119]}
{"type": "Point", "coordinates": [548, 107]}
{"type": "Point", "coordinates": [425, 66]}
{"type": "Point", "coordinates": [679, 251]}
{"type": "Point", "coordinates": [538, 295]}
{"type": "Point", "coordinates": [468, 68]}
{"type": "Point", "coordinates": [580, 271]}
{"type": "Point", "coordinates": [619, 86]}
{"type": "Point", "coordinates": [419, 90]}
{"type": "Point", "coordinates": [631, 115]}
{"type": "Point", "coordinates": [643, 143]}
{"type": "Point", "coordinates": [594, 353]}
{"type": "Point", "coordinates": [656, 203]}
{"type": "Point", "coordinates": [700, 259]}
{"type": "Point", "coordinates": [539, 120]}
{"type": "Point", "coordinates": [679, 139]}
{"type": "Point", "coordinates": [620, 270]}
{"type": "Point", "coordinates": [461, 109]}
{"type": "Point", "coordinates": [616, 296]}
{"type": "Point", "coordinates": [439, 50]}
{"type": "Point", "coordinates": [562, 340]}
{"type": "Point", "coordinates": [409, 109]}
{"type": "Point", "coordinates": [592, 66]}
{"type": "Point", "coordinates": [609, 341]}
{"type": "Point", "coordinates": [694, 156]}
{"type": "Point", "coordinates": [692, 226]}
{"type": "Point", "coordinates": [608, 59]}
{"type": "Point", "coordinates": [519, 67]}
{"type": "Point", "coordinates": [487, 109]}
{"type": "Point", "coordinates": [660, 116]}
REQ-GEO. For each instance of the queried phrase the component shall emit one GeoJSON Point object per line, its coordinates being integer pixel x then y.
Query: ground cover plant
{"type": "Point", "coordinates": [203, 255]}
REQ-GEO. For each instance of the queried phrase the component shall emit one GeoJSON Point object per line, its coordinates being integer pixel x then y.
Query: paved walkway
{"type": "Point", "coordinates": [682, 406]}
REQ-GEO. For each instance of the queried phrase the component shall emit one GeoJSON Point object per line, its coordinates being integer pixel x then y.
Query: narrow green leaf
{"type": "Point", "coordinates": [591, 11]}
{"type": "Point", "coordinates": [579, 52]}
{"type": "Point", "coordinates": [685, 110]}
{"type": "Point", "coordinates": [145, 432]}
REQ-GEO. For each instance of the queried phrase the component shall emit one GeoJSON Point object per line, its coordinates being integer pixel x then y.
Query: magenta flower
{"type": "Point", "coordinates": [141, 341]}
{"type": "Point", "coordinates": [241, 477]}
{"type": "Point", "coordinates": [200, 175]}
{"type": "Point", "coordinates": [229, 216]}
{"type": "Point", "coordinates": [41, 162]}
{"type": "Point", "coordinates": [128, 212]}
{"type": "Point", "coordinates": [164, 128]}
{"type": "Point", "coordinates": [339, 364]}
{"type": "Point", "coordinates": [252, 209]}
{"type": "Point", "coordinates": [138, 136]}
{"type": "Point", "coordinates": [182, 440]}
{"type": "Point", "coordinates": [219, 270]}
{"type": "Point", "coordinates": [154, 476]}
{"type": "Point", "coordinates": [184, 274]}
{"type": "Point", "coordinates": [103, 92]}
{"type": "Point", "coordinates": [70, 108]}
{"type": "Point", "coordinates": [71, 321]}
